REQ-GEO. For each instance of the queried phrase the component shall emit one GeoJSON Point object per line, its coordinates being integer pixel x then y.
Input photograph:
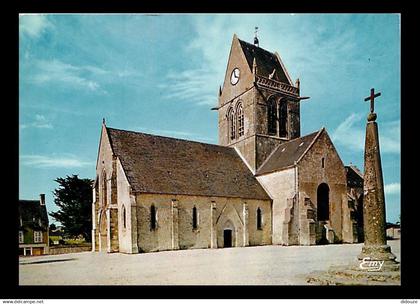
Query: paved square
{"type": "Point", "coordinates": [264, 265]}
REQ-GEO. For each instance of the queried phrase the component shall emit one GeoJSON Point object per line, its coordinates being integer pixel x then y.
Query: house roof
{"type": "Point", "coordinates": [355, 169]}
{"type": "Point", "coordinates": [157, 164]}
{"type": "Point", "coordinates": [354, 177]}
{"type": "Point", "coordinates": [265, 60]}
{"type": "Point", "coordinates": [286, 154]}
{"type": "Point", "coordinates": [33, 214]}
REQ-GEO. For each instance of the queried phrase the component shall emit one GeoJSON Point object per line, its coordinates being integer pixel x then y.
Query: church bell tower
{"type": "Point", "coordinates": [258, 104]}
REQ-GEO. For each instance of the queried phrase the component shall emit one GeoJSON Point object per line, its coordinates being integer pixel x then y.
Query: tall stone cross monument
{"type": "Point", "coordinates": [375, 246]}
{"type": "Point", "coordinates": [376, 263]}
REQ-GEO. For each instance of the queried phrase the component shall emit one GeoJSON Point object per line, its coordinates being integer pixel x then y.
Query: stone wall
{"type": "Point", "coordinates": [312, 174]}
{"type": "Point", "coordinates": [214, 215]}
{"type": "Point", "coordinates": [126, 200]}
{"type": "Point", "coordinates": [281, 186]}
{"type": "Point", "coordinates": [105, 229]}
{"type": "Point", "coordinates": [68, 249]}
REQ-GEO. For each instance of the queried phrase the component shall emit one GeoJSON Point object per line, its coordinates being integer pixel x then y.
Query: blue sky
{"type": "Point", "coordinates": [161, 74]}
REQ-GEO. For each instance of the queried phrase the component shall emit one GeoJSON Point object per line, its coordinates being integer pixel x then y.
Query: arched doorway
{"type": "Point", "coordinates": [103, 232]}
{"type": "Point", "coordinates": [323, 202]}
{"type": "Point", "coordinates": [227, 238]}
{"type": "Point", "coordinates": [229, 234]}
{"type": "Point", "coordinates": [323, 213]}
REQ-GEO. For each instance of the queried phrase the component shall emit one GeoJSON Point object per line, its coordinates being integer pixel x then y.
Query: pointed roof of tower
{"type": "Point", "coordinates": [265, 60]}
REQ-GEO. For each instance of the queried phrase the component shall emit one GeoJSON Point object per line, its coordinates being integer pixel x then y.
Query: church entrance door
{"type": "Point", "coordinates": [227, 238]}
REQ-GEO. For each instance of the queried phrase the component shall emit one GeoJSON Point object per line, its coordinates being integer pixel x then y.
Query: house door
{"type": "Point", "coordinates": [227, 238]}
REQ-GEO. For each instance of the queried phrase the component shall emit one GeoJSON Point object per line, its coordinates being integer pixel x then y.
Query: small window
{"type": "Point", "coordinates": [231, 124]}
{"type": "Point", "coordinates": [124, 217]}
{"type": "Point", "coordinates": [323, 162]}
{"type": "Point", "coordinates": [20, 237]}
{"type": "Point", "coordinates": [259, 219]}
{"type": "Point", "coordinates": [37, 236]}
{"type": "Point", "coordinates": [240, 119]}
{"type": "Point", "coordinates": [153, 217]}
{"type": "Point", "coordinates": [194, 218]}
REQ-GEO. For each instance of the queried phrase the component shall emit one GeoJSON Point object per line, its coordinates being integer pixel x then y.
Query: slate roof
{"type": "Point", "coordinates": [31, 211]}
{"type": "Point", "coordinates": [354, 176]}
{"type": "Point", "coordinates": [266, 61]}
{"type": "Point", "coordinates": [157, 164]}
{"type": "Point", "coordinates": [287, 153]}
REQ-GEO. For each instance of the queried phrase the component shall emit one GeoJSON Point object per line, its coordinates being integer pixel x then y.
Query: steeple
{"type": "Point", "coordinates": [258, 107]}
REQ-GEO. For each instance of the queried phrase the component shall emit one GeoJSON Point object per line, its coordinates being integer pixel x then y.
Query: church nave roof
{"type": "Point", "coordinates": [158, 164]}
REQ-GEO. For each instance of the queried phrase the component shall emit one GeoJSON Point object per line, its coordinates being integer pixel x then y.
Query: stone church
{"type": "Point", "coordinates": [263, 184]}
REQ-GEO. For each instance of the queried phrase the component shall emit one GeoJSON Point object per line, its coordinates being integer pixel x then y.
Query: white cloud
{"type": "Point", "coordinates": [42, 161]}
{"type": "Point", "coordinates": [393, 188]}
{"type": "Point", "coordinates": [192, 86]}
{"type": "Point", "coordinates": [212, 43]}
{"type": "Point", "coordinates": [67, 74]}
{"type": "Point", "coordinates": [351, 134]}
{"type": "Point", "coordinates": [39, 122]}
{"type": "Point", "coordinates": [33, 25]}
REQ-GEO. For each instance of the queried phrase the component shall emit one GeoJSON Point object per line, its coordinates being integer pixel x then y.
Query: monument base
{"type": "Point", "coordinates": [377, 253]}
{"type": "Point", "coordinates": [389, 274]}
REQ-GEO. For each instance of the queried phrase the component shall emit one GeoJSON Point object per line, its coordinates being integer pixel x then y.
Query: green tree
{"type": "Point", "coordinates": [74, 199]}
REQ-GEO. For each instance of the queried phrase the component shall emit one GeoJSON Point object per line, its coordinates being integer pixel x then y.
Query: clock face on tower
{"type": "Point", "coordinates": [234, 77]}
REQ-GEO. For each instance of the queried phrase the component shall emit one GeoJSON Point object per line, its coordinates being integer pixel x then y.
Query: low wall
{"type": "Point", "coordinates": [61, 249]}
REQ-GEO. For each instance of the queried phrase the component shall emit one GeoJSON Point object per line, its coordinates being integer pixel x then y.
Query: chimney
{"type": "Point", "coordinates": [42, 199]}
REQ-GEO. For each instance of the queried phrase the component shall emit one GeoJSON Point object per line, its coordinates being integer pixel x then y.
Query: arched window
{"type": "Point", "coordinates": [194, 218]}
{"type": "Point", "coordinates": [323, 204]}
{"type": "Point", "coordinates": [104, 189]}
{"type": "Point", "coordinates": [272, 116]}
{"type": "Point", "coordinates": [240, 119]}
{"type": "Point", "coordinates": [124, 217]}
{"type": "Point", "coordinates": [231, 124]}
{"type": "Point", "coordinates": [283, 118]}
{"type": "Point", "coordinates": [259, 219]}
{"type": "Point", "coordinates": [153, 217]}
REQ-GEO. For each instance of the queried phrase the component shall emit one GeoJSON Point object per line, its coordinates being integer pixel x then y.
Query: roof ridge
{"type": "Point", "coordinates": [256, 46]}
{"type": "Point", "coordinates": [168, 137]}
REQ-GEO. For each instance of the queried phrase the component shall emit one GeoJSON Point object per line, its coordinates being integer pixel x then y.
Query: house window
{"type": "Point", "coordinates": [240, 119]}
{"type": "Point", "coordinates": [152, 217]}
{"type": "Point", "coordinates": [37, 236]}
{"type": "Point", "coordinates": [20, 237]}
{"type": "Point", "coordinates": [231, 124]}
{"type": "Point", "coordinates": [272, 117]}
{"type": "Point", "coordinates": [259, 219]}
{"type": "Point", "coordinates": [194, 218]}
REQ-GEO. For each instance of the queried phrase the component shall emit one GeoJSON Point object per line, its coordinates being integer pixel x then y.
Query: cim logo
{"type": "Point", "coordinates": [371, 265]}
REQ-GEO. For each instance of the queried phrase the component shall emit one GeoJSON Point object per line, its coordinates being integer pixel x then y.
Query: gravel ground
{"type": "Point", "coordinates": [265, 265]}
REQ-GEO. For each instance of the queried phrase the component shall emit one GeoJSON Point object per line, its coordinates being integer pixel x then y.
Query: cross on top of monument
{"type": "Point", "coordinates": [372, 99]}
